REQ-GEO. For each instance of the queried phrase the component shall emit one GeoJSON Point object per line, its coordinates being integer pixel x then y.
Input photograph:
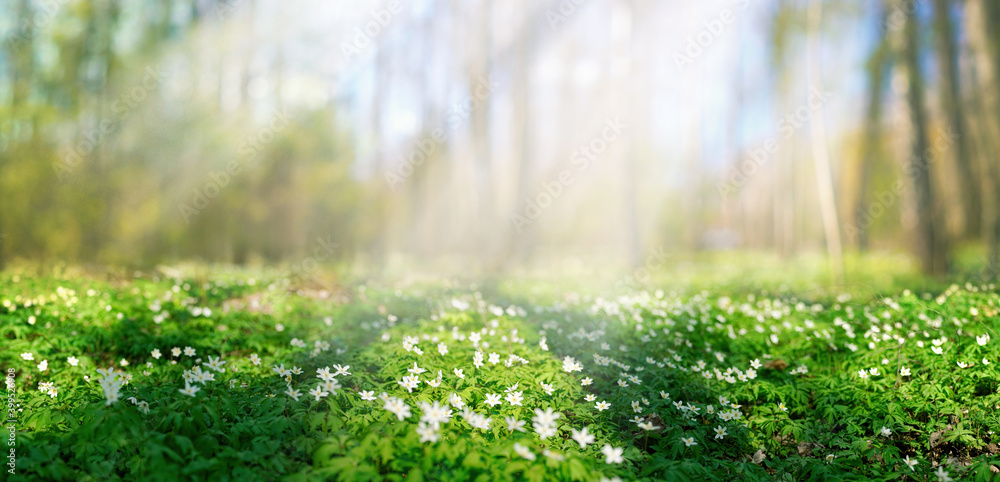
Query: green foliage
{"type": "Point", "coordinates": [745, 386]}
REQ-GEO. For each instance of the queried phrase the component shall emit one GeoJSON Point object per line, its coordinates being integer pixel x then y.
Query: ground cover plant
{"type": "Point", "coordinates": [244, 376]}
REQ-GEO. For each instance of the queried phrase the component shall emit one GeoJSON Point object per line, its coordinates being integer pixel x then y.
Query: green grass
{"type": "Point", "coordinates": [820, 422]}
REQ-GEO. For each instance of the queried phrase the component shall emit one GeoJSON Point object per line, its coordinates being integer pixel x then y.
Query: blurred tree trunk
{"type": "Point", "coordinates": [785, 198]}
{"type": "Point", "coordinates": [621, 68]}
{"type": "Point", "coordinates": [788, 196]}
{"type": "Point", "coordinates": [983, 18]}
{"type": "Point", "coordinates": [993, 234]}
{"type": "Point", "coordinates": [729, 201]}
{"type": "Point", "coordinates": [991, 19]}
{"type": "Point", "coordinates": [877, 67]}
{"type": "Point", "coordinates": [951, 102]}
{"type": "Point", "coordinates": [377, 204]}
{"type": "Point", "coordinates": [479, 66]}
{"type": "Point", "coordinates": [522, 237]}
{"type": "Point", "coordinates": [20, 49]}
{"type": "Point", "coordinates": [931, 245]}
{"type": "Point", "coordinates": [993, 226]}
{"type": "Point", "coordinates": [100, 168]}
{"type": "Point", "coordinates": [418, 185]}
{"type": "Point", "coordinates": [691, 155]}
{"type": "Point", "coordinates": [824, 176]}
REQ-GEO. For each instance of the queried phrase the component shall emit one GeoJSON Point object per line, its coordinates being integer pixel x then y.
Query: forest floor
{"type": "Point", "coordinates": [235, 375]}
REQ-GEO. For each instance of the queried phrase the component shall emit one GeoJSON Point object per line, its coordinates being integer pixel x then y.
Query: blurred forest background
{"type": "Point", "coordinates": [496, 133]}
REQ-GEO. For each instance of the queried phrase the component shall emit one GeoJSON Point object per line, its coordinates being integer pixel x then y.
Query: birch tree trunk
{"type": "Point", "coordinates": [824, 176]}
{"type": "Point", "coordinates": [931, 244]}
{"type": "Point", "coordinates": [951, 102]}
